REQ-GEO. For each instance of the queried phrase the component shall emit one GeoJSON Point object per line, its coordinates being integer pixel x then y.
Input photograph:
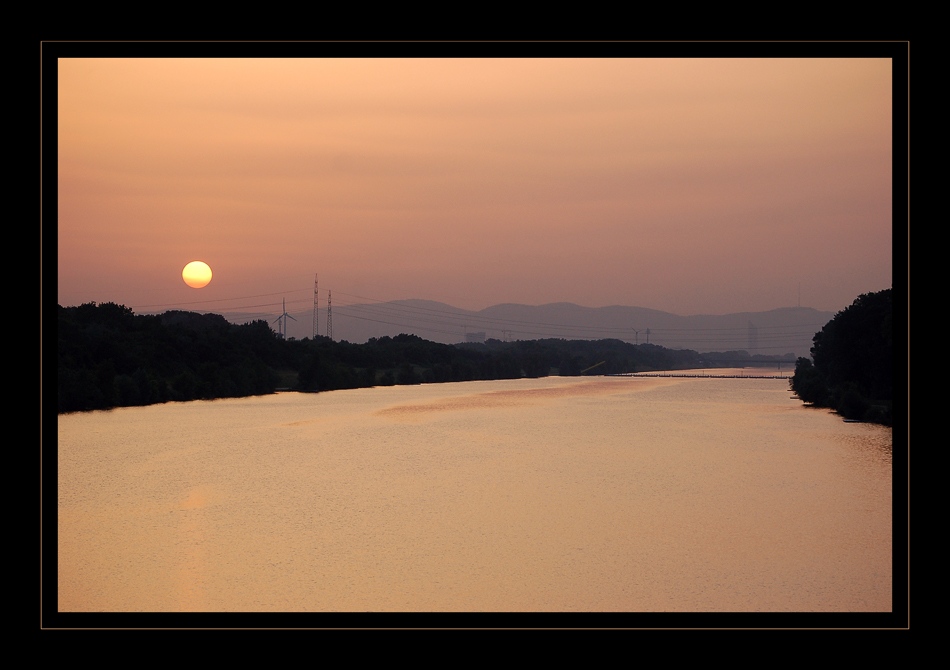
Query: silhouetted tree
{"type": "Point", "coordinates": [853, 361]}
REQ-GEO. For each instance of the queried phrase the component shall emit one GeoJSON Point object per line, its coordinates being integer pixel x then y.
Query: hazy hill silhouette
{"type": "Point", "coordinates": [775, 332]}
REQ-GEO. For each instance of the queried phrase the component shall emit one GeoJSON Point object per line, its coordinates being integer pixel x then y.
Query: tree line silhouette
{"type": "Point", "coordinates": [852, 364]}
{"type": "Point", "coordinates": [109, 357]}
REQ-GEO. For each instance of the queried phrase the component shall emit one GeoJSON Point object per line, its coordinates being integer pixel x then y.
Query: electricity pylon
{"type": "Point", "coordinates": [314, 307]}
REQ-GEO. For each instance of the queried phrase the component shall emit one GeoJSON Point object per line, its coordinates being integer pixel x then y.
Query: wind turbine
{"type": "Point", "coordinates": [282, 328]}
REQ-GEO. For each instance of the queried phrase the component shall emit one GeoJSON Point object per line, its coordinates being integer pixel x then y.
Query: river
{"type": "Point", "coordinates": [595, 494]}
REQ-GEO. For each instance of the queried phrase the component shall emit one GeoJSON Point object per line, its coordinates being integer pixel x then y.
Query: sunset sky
{"type": "Point", "coordinates": [692, 186]}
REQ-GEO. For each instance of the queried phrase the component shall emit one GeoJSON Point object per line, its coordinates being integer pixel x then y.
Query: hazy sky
{"type": "Point", "coordinates": [693, 186]}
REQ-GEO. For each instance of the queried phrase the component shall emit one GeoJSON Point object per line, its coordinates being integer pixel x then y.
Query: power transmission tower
{"type": "Point", "coordinates": [329, 314]}
{"type": "Point", "coordinates": [314, 307]}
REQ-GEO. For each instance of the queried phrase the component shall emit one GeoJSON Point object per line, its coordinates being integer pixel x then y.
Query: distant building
{"type": "Point", "coordinates": [474, 337]}
{"type": "Point", "coordinates": [753, 339]}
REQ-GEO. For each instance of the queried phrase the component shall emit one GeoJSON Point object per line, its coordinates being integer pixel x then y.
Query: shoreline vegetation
{"type": "Point", "coordinates": [110, 357]}
{"type": "Point", "coordinates": [852, 362]}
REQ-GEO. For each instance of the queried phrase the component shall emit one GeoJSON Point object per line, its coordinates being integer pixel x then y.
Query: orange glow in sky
{"type": "Point", "coordinates": [693, 186]}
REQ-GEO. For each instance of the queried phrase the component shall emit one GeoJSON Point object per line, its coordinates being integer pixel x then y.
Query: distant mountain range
{"type": "Point", "coordinates": [775, 332]}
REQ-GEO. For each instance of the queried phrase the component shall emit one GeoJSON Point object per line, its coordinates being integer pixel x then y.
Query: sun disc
{"type": "Point", "coordinates": [196, 274]}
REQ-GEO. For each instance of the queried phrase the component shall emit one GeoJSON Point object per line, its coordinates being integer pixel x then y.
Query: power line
{"type": "Point", "coordinates": [737, 341]}
{"type": "Point", "coordinates": [451, 322]}
{"type": "Point", "coordinates": [490, 321]}
{"type": "Point", "coordinates": [202, 302]}
{"type": "Point", "coordinates": [386, 314]}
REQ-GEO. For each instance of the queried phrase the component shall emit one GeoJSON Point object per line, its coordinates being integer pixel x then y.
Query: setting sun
{"type": "Point", "coordinates": [196, 274]}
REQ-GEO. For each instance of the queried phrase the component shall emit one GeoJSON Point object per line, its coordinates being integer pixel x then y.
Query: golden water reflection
{"type": "Point", "coordinates": [609, 494]}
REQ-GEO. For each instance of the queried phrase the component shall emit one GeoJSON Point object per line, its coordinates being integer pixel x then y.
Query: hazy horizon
{"type": "Point", "coordinates": [688, 186]}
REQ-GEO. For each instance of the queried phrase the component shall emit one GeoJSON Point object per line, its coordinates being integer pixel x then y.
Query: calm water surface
{"type": "Point", "coordinates": [556, 494]}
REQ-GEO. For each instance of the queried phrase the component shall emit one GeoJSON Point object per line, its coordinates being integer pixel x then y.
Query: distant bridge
{"type": "Point", "coordinates": [750, 363]}
{"type": "Point", "coordinates": [701, 375]}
